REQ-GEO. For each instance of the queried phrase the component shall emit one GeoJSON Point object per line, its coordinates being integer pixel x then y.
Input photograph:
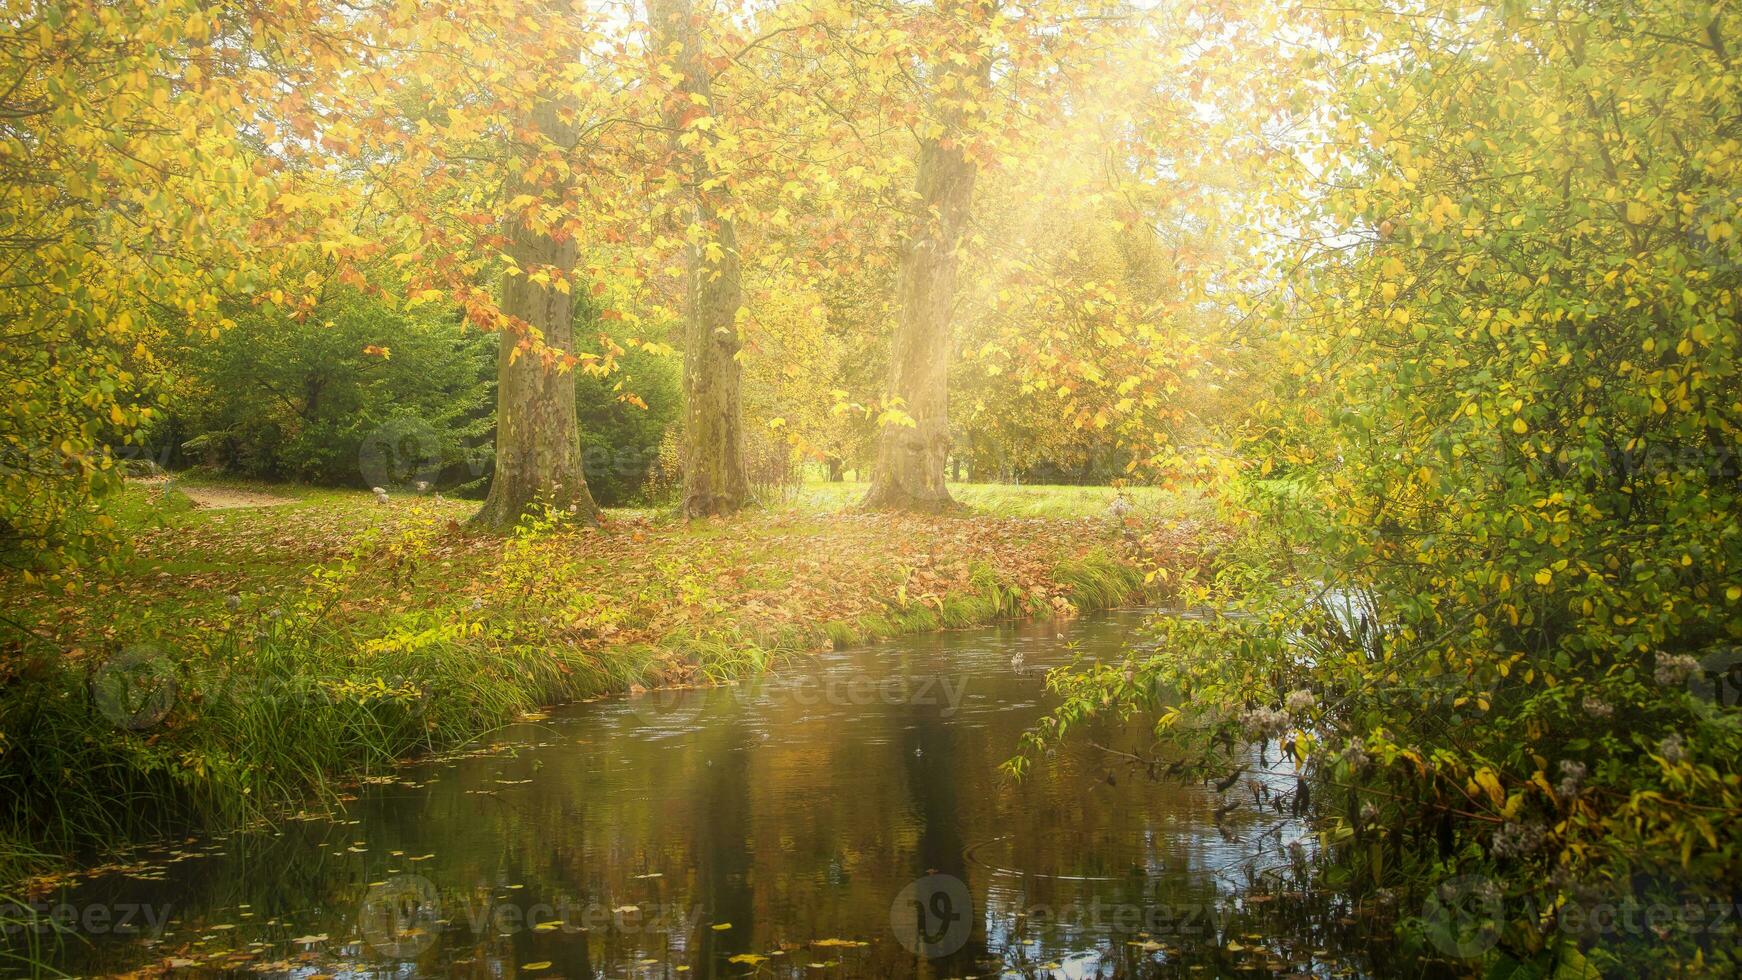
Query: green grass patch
{"type": "Point", "coordinates": [915, 619]}
{"type": "Point", "coordinates": [842, 634]}
{"type": "Point", "coordinates": [1098, 581]}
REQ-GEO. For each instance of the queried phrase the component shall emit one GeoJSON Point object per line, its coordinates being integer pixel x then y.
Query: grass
{"type": "Point", "coordinates": [324, 639]}
{"type": "Point", "coordinates": [1057, 502]}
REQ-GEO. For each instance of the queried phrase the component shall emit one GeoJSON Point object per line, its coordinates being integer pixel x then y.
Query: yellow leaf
{"type": "Point", "coordinates": [1490, 783]}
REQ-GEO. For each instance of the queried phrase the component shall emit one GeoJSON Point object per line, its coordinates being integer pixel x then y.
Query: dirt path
{"type": "Point", "coordinates": [213, 498]}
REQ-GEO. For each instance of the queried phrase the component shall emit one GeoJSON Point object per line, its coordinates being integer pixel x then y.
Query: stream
{"type": "Point", "coordinates": [843, 817]}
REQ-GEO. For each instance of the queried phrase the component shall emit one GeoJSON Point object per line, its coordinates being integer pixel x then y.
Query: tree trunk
{"type": "Point", "coordinates": [713, 459]}
{"type": "Point", "coordinates": [538, 444]}
{"type": "Point", "coordinates": [909, 471]}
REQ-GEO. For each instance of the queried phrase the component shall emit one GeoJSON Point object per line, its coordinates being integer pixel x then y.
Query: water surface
{"type": "Point", "coordinates": [846, 817]}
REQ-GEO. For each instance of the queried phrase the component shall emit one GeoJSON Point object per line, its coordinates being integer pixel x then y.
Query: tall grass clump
{"type": "Point", "coordinates": [1098, 580]}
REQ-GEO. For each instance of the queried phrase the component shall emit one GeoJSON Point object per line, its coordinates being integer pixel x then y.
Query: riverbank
{"type": "Point", "coordinates": [243, 657]}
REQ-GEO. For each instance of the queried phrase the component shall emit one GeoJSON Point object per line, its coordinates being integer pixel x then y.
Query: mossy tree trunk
{"type": "Point", "coordinates": [538, 447]}
{"type": "Point", "coordinates": [713, 461]}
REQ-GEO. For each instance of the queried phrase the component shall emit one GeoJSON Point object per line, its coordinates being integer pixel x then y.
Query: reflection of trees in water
{"type": "Point", "coordinates": [573, 828]}
{"type": "Point", "coordinates": [935, 773]}
{"type": "Point", "coordinates": [723, 833]}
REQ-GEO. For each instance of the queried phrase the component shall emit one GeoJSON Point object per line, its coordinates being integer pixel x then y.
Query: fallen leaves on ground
{"type": "Point", "coordinates": [643, 580]}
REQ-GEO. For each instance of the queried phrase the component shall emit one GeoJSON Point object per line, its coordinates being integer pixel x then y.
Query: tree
{"type": "Point", "coordinates": [538, 442]}
{"type": "Point", "coordinates": [461, 149]}
{"type": "Point", "coordinates": [1489, 567]}
{"type": "Point", "coordinates": [129, 186]}
{"type": "Point", "coordinates": [713, 465]}
{"type": "Point", "coordinates": [913, 449]}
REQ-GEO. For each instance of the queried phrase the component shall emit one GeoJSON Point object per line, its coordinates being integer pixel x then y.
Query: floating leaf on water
{"type": "Point", "coordinates": [540, 965]}
{"type": "Point", "coordinates": [650, 874]}
{"type": "Point", "coordinates": [303, 940]}
{"type": "Point", "coordinates": [750, 959]}
{"type": "Point", "coordinates": [422, 857]}
{"type": "Point", "coordinates": [838, 942]}
{"type": "Point", "coordinates": [546, 926]}
{"type": "Point", "coordinates": [626, 908]}
{"type": "Point", "coordinates": [721, 926]}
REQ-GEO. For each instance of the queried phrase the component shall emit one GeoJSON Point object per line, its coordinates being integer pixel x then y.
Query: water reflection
{"type": "Point", "coordinates": [844, 819]}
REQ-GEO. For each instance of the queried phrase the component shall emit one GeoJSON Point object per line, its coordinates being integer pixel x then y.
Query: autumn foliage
{"type": "Point", "coordinates": [1440, 299]}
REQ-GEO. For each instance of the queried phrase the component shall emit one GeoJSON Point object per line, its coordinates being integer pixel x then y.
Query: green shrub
{"type": "Point", "coordinates": [357, 394]}
{"type": "Point", "coordinates": [625, 415]}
